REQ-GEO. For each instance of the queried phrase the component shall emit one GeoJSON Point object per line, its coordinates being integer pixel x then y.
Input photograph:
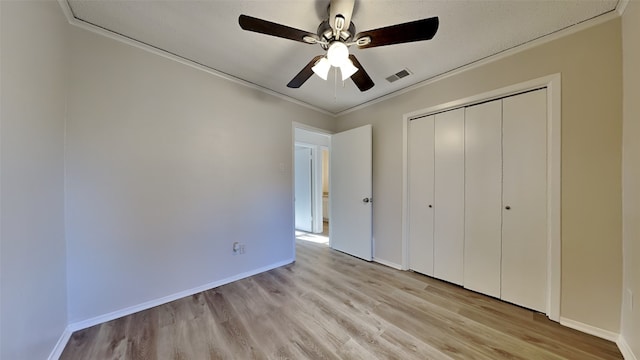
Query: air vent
{"type": "Point", "coordinates": [399, 75]}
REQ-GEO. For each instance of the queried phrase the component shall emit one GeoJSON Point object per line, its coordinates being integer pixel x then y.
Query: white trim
{"type": "Point", "coordinates": [316, 146]}
{"type": "Point", "coordinates": [388, 263]}
{"type": "Point", "coordinates": [319, 131]}
{"type": "Point", "coordinates": [622, 5]}
{"type": "Point", "coordinates": [163, 300]}
{"type": "Point", "coordinates": [492, 58]}
{"type": "Point", "coordinates": [316, 184]}
{"type": "Point", "coordinates": [589, 329]}
{"type": "Point", "coordinates": [625, 349]}
{"type": "Point", "coordinates": [405, 192]}
{"type": "Point", "coordinates": [318, 220]}
{"type": "Point", "coordinates": [66, 9]}
{"type": "Point", "coordinates": [554, 121]}
{"type": "Point", "coordinates": [293, 190]}
{"type": "Point", "coordinates": [61, 344]}
{"type": "Point", "coordinates": [554, 198]}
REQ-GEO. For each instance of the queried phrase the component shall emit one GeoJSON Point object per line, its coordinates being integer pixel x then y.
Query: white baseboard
{"type": "Point", "coordinates": [388, 263]}
{"type": "Point", "coordinates": [589, 329]}
{"type": "Point", "coordinates": [60, 345]}
{"type": "Point", "coordinates": [625, 349]}
{"type": "Point", "coordinates": [163, 300]}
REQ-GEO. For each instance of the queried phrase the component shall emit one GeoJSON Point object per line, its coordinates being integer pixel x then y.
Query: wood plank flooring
{"type": "Point", "coordinates": [329, 305]}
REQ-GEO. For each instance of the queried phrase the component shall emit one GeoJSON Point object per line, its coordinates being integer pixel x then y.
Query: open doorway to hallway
{"type": "Point", "coordinates": [311, 183]}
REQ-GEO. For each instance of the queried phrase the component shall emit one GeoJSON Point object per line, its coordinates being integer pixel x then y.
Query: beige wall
{"type": "Point", "coordinates": [591, 67]}
{"type": "Point", "coordinates": [631, 174]}
{"type": "Point", "coordinates": [33, 290]}
{"type": "Point", "coordinates": [166, 167]}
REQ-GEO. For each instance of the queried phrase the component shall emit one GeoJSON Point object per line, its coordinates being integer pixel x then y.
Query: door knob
{"type": "Point", "coordinates": [508, 207]}
{"type": "Point", "coordinates": [430, 206]}
{"type": "Point", "coordinates": [366, 200]}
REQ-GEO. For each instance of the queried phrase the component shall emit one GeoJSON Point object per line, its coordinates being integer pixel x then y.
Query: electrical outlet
{"type": "Point", "coordinates": [629, 294]}
{"type": "Point", "coordinates": [236, 248]}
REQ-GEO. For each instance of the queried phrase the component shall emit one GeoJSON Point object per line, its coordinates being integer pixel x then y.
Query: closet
{"type": "Point", "coordinates": [478, 197]}
{"type": "Point", "coordinates": [436, 166]}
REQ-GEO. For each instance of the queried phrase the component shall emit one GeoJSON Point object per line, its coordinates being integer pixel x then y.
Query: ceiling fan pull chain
{"type": "Point", "coordinates": [335, 84]}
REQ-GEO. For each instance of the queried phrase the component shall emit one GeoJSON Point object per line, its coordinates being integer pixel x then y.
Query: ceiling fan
{"type": "Point", "coordinates": [336, 35]}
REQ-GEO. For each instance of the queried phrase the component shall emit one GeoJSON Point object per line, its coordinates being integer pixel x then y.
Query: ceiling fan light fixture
{"type": "Point", "coordinates": [335, 35]}
{"type": "Point", "coordinates": [338, 54]}
{"type": "Point", "coordinates": [347, 69]}
{"type": "Point", "coordinates": [321, 68]}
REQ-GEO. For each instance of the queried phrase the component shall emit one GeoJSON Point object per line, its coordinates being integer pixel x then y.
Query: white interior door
{"type": "Point", "coordinates": [303, 189]}
{"type": "Point", "coordinates": [420, 167]}
{"type": "Point", "coordinates": [449, 196]}
{"type": "Point", "coordinates": [350, 192]}
{"type": "Point", "coordinates": [483, 197]}
{"type": "Point", "coordinates": [524, 229]}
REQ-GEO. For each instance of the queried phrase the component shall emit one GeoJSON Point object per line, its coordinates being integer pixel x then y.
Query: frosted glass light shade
{"type": "Point", "coordinates": [321, 68]}
{"type": "Point", "coordinates": [338, 53]}
{"type": "Point", "coordinates": [347, 69]}
{"type": "Point", "coordinates": [337, 56]}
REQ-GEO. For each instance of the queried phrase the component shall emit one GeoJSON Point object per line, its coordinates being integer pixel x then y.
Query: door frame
{"type": "Point", "coordinates": [554, 112]}
{"type": "Point", "coordinates": [318, 140]}
{"type": "Point", "coordinates": [312, 177]}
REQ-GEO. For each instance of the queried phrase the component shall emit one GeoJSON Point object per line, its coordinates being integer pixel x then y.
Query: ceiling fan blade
{"type": "Point", "coordinates": [304, 74]}
{"type": "Point", "coordinates": [343, 8]}
{"type": "Point", "coordinates": [417, 30]}
{"type": "Point", "coordinates": [360, 78]}
{"type": "Point", "coordinates": [250, 23]}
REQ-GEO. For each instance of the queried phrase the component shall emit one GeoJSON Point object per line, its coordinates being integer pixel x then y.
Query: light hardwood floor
{"type": "Point", "coordinates": [328, 305]}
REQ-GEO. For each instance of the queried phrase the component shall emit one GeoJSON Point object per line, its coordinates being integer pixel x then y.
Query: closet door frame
{"type": "Point", "coordinates": [553, 85]}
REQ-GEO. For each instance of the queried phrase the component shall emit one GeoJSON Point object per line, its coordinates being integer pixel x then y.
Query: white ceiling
{"type": "Point", "coordinates": [207, 32]}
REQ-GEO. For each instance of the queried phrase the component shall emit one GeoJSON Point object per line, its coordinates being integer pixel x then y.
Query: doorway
{"type": "Point", "coordinates": [311, 185]}
{"type": "Point", "coordinates": [303, 162]}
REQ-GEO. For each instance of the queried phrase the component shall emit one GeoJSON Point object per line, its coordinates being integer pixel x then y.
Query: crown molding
{"type": "Point", "coordinates": [617, 12]}
{"type": "Point", "coordinates": [498, 56]}
{"type": "Point", "coordinates": [622, 5]}
{"type": "Point", "coordinates": [66, 9]}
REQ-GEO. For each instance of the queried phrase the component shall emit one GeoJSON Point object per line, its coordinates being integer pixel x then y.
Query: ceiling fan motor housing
{"type": "Point", "coordinates": [325, 33]}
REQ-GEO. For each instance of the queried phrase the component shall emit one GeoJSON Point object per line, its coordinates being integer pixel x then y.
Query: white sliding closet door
{"type": "Point", "coordinates": [483, 197]}
{"type": "Point", "coordinates": [524, 231]}
{"type": "Point", "coordinates": [449, 196]}
{"type": "Point", "coordinates": [420, 160]}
